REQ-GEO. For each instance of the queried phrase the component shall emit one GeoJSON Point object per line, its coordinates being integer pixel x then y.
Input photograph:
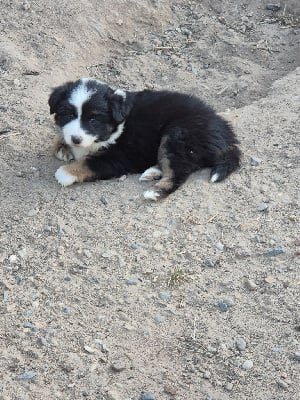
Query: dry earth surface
{"type": "Point", "coordinates": [107, 297]}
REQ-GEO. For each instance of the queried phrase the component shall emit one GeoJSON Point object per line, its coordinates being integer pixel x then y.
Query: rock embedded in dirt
{"type": "Point", "coordinates": [262, 207]}
{"type": "Point", "coordinates": [250, 285]}
{"type": "Point", "coordinates": [247, 365]}
{"type": "Point", "coordinates": [103, 200]}
{"type": "Point", "coordinates": [159, 319]}
{"type": "Point", "coordinates": [220, 246]}
{"type": "Point", "coordinates": [26, 376]}
{"type": "Point", "coordinates": [275, 252]}
{"type": "Point", "coordinates": [164, 296]}
{"type": "Point", "coordinates": [240, 344]}
{"type": "Point", "coordinates": [272, 7]}
{"type": "Point", "coordinates": [208, 263]}
{"type": "Point", "coordinates": [89, 349]}
{"type": "Point", "coordinates": [147, 396]}
{"type": "Point", "coordinates": [132, 281]}
{"type": "Point", "coordinates": [206, 375]}
{"type": "Point", "coordinates": [229, 386]}
{"type": "Point", "coordinates": [282, 384]}
{"type": "Point", "coordinates": [118, 365]}
{"type": "Point", "coordinates": [223, 306]}
{"type": "Point", "coordinates": [254, 162]}
{"type": "Point", "coordinates": [297, 356]}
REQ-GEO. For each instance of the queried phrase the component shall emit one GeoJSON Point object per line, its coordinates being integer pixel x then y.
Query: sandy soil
{"type": "Point", "coordinates": [107, 297]}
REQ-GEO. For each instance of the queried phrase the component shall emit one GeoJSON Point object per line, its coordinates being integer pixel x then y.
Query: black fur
{"type": "Point", "coordinates": [179, 132]}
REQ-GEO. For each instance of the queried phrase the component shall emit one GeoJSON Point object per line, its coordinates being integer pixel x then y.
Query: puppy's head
{"type": "Point", "coordinates": [89, 111]}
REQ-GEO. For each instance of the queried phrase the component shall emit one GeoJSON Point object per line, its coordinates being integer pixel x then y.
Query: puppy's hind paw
{"type": "Point", "coordinates": [151, 174]}
{"type": "Point", "coordinates": [64, 178]}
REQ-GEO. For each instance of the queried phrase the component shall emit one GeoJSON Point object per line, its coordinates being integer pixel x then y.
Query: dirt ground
{"type": "Point", "coordinates": [105, 296]}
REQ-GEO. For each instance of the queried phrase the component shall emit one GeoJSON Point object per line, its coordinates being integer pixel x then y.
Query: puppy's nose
{"type": "Point", "coordinates": [76, 139]}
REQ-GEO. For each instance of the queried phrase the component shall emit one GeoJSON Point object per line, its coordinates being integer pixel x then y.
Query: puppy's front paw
{"type": "Point", "coordinates": [64, 178]}
{"type": "Point", "coordinates": [62, 151]}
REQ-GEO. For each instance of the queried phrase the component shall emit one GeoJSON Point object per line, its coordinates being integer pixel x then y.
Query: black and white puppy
{"type": "Point", "coordinates": [166, 135]}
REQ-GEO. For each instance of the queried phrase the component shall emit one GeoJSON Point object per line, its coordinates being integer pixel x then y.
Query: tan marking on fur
{"type": "Point", "coordinates": [166, 182]}
{"type": "Point", "coordinates": [80, 170]}
{"type": "Point", "coordinates": [60, 145]}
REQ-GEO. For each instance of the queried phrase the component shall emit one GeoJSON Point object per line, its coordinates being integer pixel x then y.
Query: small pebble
{"type": "Point", "coordinates": [277, 350]}
{"type": "Point", "coordinates": [247, 365]}
{"type": "Point", "coordinates": [275, 252]}
{"type": "Point", "coordinates": [159, 319]}
{"type": "Point", "coordinates": [229, 302]}
{"type": "Point", "coordinates": [89, 349]}
{"type": "Point", "coordinates": [240, 344]}
{"type": "Point", "coordinates": [103, 200]}
{"type": "Point", "coordinates": [223, 306]}
{"type": "Point", "coordinates": [147, 396]}
{"type": "Point", "coordinates": [208, 263]}
{"type": "Point", "coordinates": [26, 6]}
{"type": "Point", "coordinates": [297, 356]}
{"type": "Point", "coordinates": [282, 384]}
{"type": "Point", "coordinates": [220, 246]}
{"type": "Point", "coordinates": [262, 207]}
{"type": "Point", "coordinates": [42, 341]}
{"type": "Point", "coordinates": [229, 386]}
{"type": "Point", "coordinates": [207, 375]}
{"type": "Point", "coordinates": [132, 281]}
{"type": "Point", "coordinates": [254, 161]}
{"type": "Point", "coordinates": [250, 285]}
{"type": "Point", "coordinates": [118, 366]}
{"type": "Point", "coordinates": [26, 376]}
{"type": "Point", "coordinates": [273, 7]}
{"type": "Point", "coordinates": [33, 212]}
{"type": "Point", "coordinates": [13, 259]}
{"type": "Point", "coordinates": [164, 295]}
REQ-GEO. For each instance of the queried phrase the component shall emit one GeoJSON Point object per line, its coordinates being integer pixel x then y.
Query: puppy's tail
{"type": "Point", "coordinates": [226, 162]}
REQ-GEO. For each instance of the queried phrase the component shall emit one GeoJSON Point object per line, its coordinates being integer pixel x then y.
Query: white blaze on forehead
{"type": "Point", "coordinates": [80, 95]}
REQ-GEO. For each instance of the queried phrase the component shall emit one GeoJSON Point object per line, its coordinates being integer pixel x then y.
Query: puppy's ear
{"type": "Point", "coordinates": [58, 94]}
{"type": "Point", "coordinates": [120, 105]}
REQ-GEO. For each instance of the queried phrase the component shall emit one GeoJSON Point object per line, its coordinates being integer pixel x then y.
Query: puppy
{"type": "Point", "coordinates": [166, 135]}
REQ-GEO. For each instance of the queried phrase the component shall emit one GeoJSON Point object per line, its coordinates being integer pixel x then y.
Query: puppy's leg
{"type": "Point", "coordinates": [174, 166]}
{"type": "Point", "coordinates": [61, 150]}
{"type": "Point", "coordinates": [77, 171]}
{"type": "Point", "coordinates": [91, 168]}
